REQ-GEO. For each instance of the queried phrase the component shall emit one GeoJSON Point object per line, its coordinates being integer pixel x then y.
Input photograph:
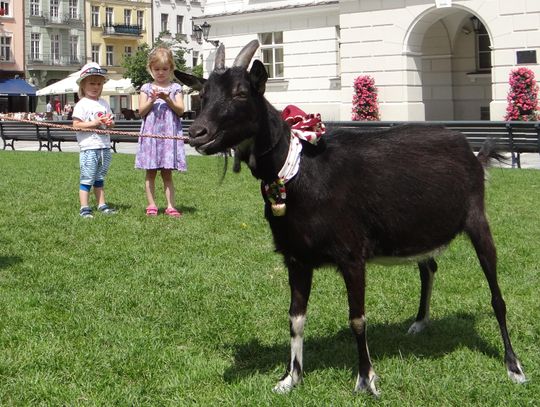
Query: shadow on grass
{"type": "Point", "coordinates": [8, 261]}
{"type": "Point", "coordinates": [441, 337]}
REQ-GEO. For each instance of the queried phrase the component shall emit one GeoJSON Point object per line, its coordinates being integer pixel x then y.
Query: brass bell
{"type": "Point", "coordinates": [278, 209]}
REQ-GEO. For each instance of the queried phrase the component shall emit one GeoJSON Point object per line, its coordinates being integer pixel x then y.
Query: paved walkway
{"type": "Point", "coordinates": [124, 148]}
{"type": "Point", "coordinates": [528, 160]}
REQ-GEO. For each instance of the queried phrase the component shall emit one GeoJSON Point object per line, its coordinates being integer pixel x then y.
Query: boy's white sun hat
{"type": "Point", "coordinates": [91, 69]}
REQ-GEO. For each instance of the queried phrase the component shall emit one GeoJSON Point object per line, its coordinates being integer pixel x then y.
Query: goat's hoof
{"type": "Point", "coordinates": [417, 327]}
{"type": "Point", "coordinates": [367, 384]}
{"type": "Point", "coordinates": [285, 385]}
{"type": "Point", "coordinates": [516, 374]}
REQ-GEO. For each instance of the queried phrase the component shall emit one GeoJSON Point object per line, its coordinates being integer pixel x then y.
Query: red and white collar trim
{"type": "Point", "coordinates": [306, 127]}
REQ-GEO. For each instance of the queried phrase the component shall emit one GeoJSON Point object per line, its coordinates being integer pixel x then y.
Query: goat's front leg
{"type": "Point", "coordinates": [355, 281]}
{"type": "Point", "coordinates": [427, 271]}
{"type": "Point", "coordinates": [300, 278]}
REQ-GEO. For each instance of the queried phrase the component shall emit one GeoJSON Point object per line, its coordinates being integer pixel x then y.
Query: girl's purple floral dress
{"type": "Point", "coordinates": [155, 153]}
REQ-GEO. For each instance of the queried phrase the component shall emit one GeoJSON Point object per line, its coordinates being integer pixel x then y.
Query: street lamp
{"type": "Point", "coordinates": [197, 32]}
{"type": "Point", "coordinates": [201, 32]}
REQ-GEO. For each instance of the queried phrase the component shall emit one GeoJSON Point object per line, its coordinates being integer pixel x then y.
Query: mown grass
{"type": "Point", "coordinates": [128, 310]}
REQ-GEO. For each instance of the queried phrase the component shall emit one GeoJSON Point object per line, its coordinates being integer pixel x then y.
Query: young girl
{"type": "Point", "coordinates": [92, 112]}
{"type": "Point", "coordinates": [161, 106]}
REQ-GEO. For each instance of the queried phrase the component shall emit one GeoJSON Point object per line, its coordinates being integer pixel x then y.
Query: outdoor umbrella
{"type": "Point", "coordinates": [69, 85]}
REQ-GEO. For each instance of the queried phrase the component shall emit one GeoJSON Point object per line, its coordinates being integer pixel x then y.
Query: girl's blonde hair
{"type": "Point", "coordinates": [160, 55]}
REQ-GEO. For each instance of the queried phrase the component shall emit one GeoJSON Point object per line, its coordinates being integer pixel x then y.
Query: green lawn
{"type": "Point", "coordinates": [130, 310]}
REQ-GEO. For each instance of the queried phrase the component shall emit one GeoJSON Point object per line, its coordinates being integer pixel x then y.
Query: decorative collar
{"type": "Point", "coordinates": [307, 127]}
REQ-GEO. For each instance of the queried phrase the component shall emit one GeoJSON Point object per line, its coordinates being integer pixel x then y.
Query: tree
{"type": "Point", "coordinates": [135, 65]}
{"type": "Point", "coordinates": [365, 105]}
{"type": "Point", "coordinates": [523, 96]}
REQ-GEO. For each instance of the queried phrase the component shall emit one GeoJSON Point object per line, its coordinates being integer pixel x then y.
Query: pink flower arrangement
{"type": "Point", "coordinates": [365, 104]}
{"type": "Point", "coordinates": [523, 96]}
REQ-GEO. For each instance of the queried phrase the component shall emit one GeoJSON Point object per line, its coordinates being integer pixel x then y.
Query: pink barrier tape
{"type": "Point", "coordinates": [99, 131]}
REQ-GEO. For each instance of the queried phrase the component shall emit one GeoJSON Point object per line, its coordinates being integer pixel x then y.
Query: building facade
{"type": "Point", "coordinates": [173, 24]}
{"type": "Point", "coordinates": [54, 39]}
{"type": "Point", "coordinates": [431, 59]}
{"type": "Point", "coordinates": [11, 39]}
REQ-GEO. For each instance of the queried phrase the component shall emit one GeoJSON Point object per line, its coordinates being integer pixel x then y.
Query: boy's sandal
{"type": "Point", "coordinates": [106, 209]}
{"type": "Point", "coordinates": [173, 212]}
{"type": "Point", "coordinates": [151, 210]}
{"type": "Point", "coordinates": [86, 212]}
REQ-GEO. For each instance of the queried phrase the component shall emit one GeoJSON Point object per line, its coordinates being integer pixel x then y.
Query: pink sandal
{"type": "Point", "coordinates": [173, 213]}
{"type": "Point", "coordinates": [151, 210]}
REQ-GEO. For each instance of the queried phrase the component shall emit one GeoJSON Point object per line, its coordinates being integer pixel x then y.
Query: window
{"type": "Point", "coordinates": [128, 51]}
{"type": "Point", "coordinates": [5, 9]}
{"type": "Point", "coordinates": [127, 16]}
{"type": "Point", "coordinates": [164, 22]}
{"type": "Point", "coordinates": [34, 7]}
{"type": "Point", "coordinates": [195, 60]}
{"type": "Point", "coordinates": [95, 16]}
{"type": "Point", "coordinates": [140, 18]}
{"type": "Point", "coordinates": [53, 9]}
{"type": "Point", "coordinates": [55, 48]}
{"type": "Point", "coordinates": [74, 49]}
{"type": "Point", "coordinates": [73, 9]}
{"type": "Point", "coordinates": [95, 53]}
{"type": "Point", "coordinates": [272, 53]}
{"type": "Point", "coordinates": [483, 49]}
{"type": "Point", "coordinates": [108, 16]}
{"type": "Point", "coordinates": [35, 45]}
{"type": "Point", "coordinates": [179, 24]}
{"type": "Point", "coordinates": [109, 55]}
{"type": "Point", "coordinates": [5, 48]}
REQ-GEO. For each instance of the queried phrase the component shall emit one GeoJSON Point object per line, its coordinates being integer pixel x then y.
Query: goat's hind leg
{"type": "Point", "coordinates": [478, 230]}
{"type": "Point", "coordinates": [427, 270]}
{"type": "Point", "coordinates": [300, 279]}
{"type": "Point", "coordinates": [355, 281]}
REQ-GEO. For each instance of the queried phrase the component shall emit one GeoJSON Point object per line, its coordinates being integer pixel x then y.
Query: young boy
{"type": "Point", "coordinates": [93, 112]}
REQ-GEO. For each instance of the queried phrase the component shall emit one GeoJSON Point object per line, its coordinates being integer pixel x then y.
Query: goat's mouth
{"type": "Point", "coordinates": [201, 144]}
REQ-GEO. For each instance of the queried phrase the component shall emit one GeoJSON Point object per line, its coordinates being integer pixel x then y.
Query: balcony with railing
{"type": "Point", "coordinates": [122, 30]}
{"type": "Point", "coordinates": [54, 60]}
{"type": "Point", "coordinates": [66, 19]}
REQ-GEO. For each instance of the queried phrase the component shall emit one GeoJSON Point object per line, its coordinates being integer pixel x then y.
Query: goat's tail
{"type": "Point", "coordinates": [489, 152]}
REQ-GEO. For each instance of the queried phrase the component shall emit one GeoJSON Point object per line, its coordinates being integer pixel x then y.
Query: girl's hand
{"type": "Point", "coordinates": [161, 93]}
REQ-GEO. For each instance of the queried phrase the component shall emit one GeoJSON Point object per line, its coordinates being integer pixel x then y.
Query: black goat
{"type": "Point", "coordinates": [399, 193]}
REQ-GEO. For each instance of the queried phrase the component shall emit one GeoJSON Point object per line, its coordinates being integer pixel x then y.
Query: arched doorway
{"type": "Point", "coordinates": [449, 51]}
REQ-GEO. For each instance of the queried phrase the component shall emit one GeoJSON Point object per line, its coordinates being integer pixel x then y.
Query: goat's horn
{"type": "Point", "coordinates": [244, 57]}
{"type": "Point", "coordinates": [220, 58]}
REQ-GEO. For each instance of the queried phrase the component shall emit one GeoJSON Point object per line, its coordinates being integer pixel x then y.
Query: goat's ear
{"type": "Point", "coordinates": [192, 81]}
{"type": "Point", "coordinates": [258, 76]}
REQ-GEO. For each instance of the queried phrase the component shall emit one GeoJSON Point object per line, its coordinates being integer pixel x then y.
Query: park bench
{"type": "Point", "coordinates": [56, 136]}
{"type": "Point", "coordinates": [134, 126]}
{"type": "Point", "coordinates": [511, 137]}
{"type": "Point", "coordinates": [18, 131]}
